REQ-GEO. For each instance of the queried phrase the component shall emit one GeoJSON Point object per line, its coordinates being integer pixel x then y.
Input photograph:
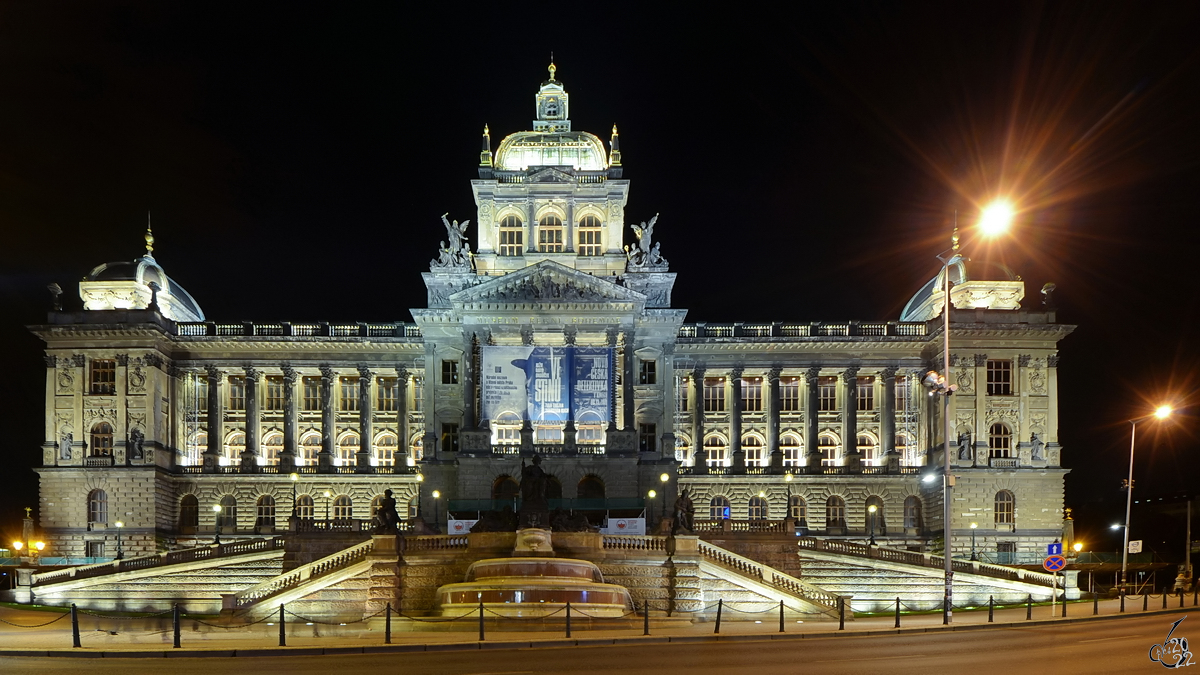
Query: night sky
{"type": "Point", "coordinates": [296, 159]}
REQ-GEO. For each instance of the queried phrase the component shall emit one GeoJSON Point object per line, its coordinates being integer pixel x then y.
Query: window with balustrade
{"type": "Point", "coordinates": [999, 441]}
{"type": "Point", "coordinates": [235, 445]}
{"type": "Point", "coordinates": [683, 450]}
{"type": "Point", "coordinates": [202, 394]}
{"type": "Point", "coordinates": [999, 377]}
{"type": "Point", "coordinates": [312, 393]}
{"type": "Point", "coordinates": [903, 392]}
{"type": "Point", "coordinates": [789, 394]}
{"type": "Point", "coordinates": [343, 508]}
{"type": "Point", "coordinates": [752, 394]}
{"type": "Point", "coordinates": [868, 449]}
{"type": "Point", "coordinates": [348, 394]}
{"type": "Point", "coordinates": [102, 376]}
{"type": "Point", "coordinates": [906, 450]}
{"type": "Point", "coordinates": [347, 448]}
{"type": "Point", "coordinates": [506, 429]}
{"type": "Point", "coordinates": [716, 451]}
{"type": "Point", "coordinates": [718, 508]}
{"type": "Point", "coordinates": [512, 236]}
{"type": "Point", "coordinates": [384, 449]}
{"type": "Point", "coordinates": [387, 391]}
{"type": "Point", "coordinates": [865, 394]}
{"type": "Point", "coordinates": [310, 445]}
{"type": "Point", "coordinates": [714, 394]}
{"type": "Point", "coordinates": [272, 447]}
{"type": "Point", "coordinates": [590, 242]}
{"type": "Point", "coordinates": [274, 401]}
{"type": "Point", "coordinates": [550, 234]}
{"type": "Point", "coordinates": [101, 440]}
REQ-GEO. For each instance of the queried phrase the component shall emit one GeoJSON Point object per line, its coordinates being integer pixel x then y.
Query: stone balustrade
{"type": "Point", "coordinates": [300, 575]}
{"type": "Point", "coordinates": [924, 560]}
{"type": "Point", "coordinates": [159, 560]}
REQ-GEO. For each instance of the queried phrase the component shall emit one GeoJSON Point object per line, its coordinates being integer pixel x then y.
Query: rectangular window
{"type": "Point", "coordinates": [103, 377]}
{"type": "Point", "coordinates": [312, 393]}
{"type": "Point", "coordinates": [202, 394]}
{"type": "Point", "coordinates": [685, 385]}
{"type": "Point", "coordinates": [827, 394]}
{"type": "Point", "coordinates": [589, 241]}
{"type": "Point", "coordinates": [237, 393]}
{"type": "Point", "coordinates": [789, 394]}
{"type": "Point", "coordinates": [752, 394]}
{"type": "Point", "coordinates": [274, 393]}
{"type": "Point", "coordinates": [648, 372]}
{"type": "Point", "coordinates": [512, 241]}
{"type": "Point", "coordinates": [418, 394]}
{"type": "Point", "coordinates": [550, 239]}
{"type": "Point", "coordinates": [999, 377]}
{"type": "Point", "coordinates": [647, 437]}
{"type": "Point", "coordinates": [387, 391]}
{"type": "Point", "coordinates": [449, 437]}
{"type": "Point", "coordinates": [449, 372]}
{"type": "Point", "coordinates": [348, 393]}
{"type": "Point", "coordinates": [548, 433]}
{"type": "Point", "coordinates": [95, 549]}
{"type": "Point", "coordinates": [866, 394]}
{"type": "Point", "coordinates": [901, 394]}
{"type": "Point", "coordinates": [714, 394]}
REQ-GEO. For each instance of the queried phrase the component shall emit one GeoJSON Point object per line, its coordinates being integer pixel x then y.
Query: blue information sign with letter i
{"type": "Point", "coordinates": [1054, 549]}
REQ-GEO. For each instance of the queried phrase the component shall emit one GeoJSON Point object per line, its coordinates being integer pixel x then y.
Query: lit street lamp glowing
{"type": "Point", "coordinates": [1163, 412]}
{"type": "Point", "coordinates": [996, 218]}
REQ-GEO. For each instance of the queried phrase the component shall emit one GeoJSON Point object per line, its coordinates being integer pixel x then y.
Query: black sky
{"type": "Point", "coordinates": [806, 164]}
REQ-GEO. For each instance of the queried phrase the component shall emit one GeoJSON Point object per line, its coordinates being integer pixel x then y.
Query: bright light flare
{"type": "Point", "coordinates": [1078, 547]}
{"type": "Point", "coordinates": [996, 218]}
{"type": "Point", "coordinates": [1162, 412]}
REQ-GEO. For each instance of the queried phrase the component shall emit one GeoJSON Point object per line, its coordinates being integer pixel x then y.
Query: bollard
{"type": "Point", "coordinates": [1145, 601]}
{"type": "Point", "coordinates": [175, 621]}
{"type": "Point", "coordinates": [1195, 594]}
{"type": "Point", "coordinates": [646, 617]}
{"type": "Point", "coordinates": [841, 613]}
{"type": "Point", "coordinates": [1029, 606]}
{"type": "Point", "coordinates": [991, 608]}
{"type": "Point", "coordinates": [75, 626]}
{"type": "Point", "coordinates": [1064, 609]}
{"type": "Point", "coordinates": [897, 612]}
{"type": "Point", "coordinates": [780, 616]}
{"type": "Point", "coordinates": [282, 628]}
{"type": "Point", "coordinates": [1122, 600]}
{"type": "Point", "coordinates": [481, 621]}
{"type": "Point", "coordinates": [568, 618]}
{"type": "Point", "coordinates": [1095, 604]}
{"type": "Point", "coordinates": [1164, 598]}
{"type": "Point", "coordinates": [1181, 597]}
{"type": "Point", "coordinates": [720, 603]}
{"type": "Point", "coordinates": [945, 611]}
{"type": "Point", "coordinates": [387, 625]}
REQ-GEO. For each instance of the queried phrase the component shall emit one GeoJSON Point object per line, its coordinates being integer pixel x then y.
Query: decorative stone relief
{"type": "Point", "coordinates": [137, 379]}
{"type": "Point", "coordinates": [78, 360]}
{"type": "Point", "coordinates": [964, 422]}
{"type": "Point", "coordinates": [64, 422]}
{"type": "Point", "coordinates": [965, 380]}
{"type": "Point", "coordinates": [1052, 361]}
{"type": "Point", "coordinates": [122, 359]}
{"type": "Point", "coordinates": [980, 360]}
{"type": "Point", "coordinates": [1037, 423]}
{"type": "Point", "coordinates": [65, 381]}
{"type": "Point", "coordinates": [1023, 360]}
{"type": "Point", "coordinates": [1037, 378]}
{"type": "Point", "coordinates": [1009, 417]}
{"type": "Point", "coordinates": [50, 360]}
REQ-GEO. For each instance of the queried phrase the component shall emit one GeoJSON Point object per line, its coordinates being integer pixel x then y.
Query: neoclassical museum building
{"type": "Point", "coordinates": [549, 331]}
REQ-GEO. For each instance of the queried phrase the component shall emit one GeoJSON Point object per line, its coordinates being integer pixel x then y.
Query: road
{"type": "Point", "coordinates": [1120, 646]}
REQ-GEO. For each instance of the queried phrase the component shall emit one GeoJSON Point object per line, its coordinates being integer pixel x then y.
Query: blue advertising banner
{"type": "Point", "coordinates": [546, 383]}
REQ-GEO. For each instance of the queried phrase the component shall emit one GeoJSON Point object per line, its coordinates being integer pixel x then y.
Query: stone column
{"type": "Point", "coordinates": [887, 420]}
{"type": "Point", "coordinates": [1053, 449]}
{"type": "Point", "coordinates": [215, 430]}
{"type": "Point", "coordinates": [570, 433]}
{"type": "Point", "coordinates": [980, 451]}
{"type": "Point", "coordinates": [362, 460]}
{"type": "Point", "coordinates": [773, 406]}
{"type": "Point", "coordinates": [667, 438]}
{"type": "Point", "coordinates": [530, 227]}
{"type": "Point", "coordinates": [612, 417]}
{"type": "Point", "coordinates": [735, 421]}
{"type": "Point", "coordinates": [569, 227]}
{"type": "Point", "coordinates": [401, 455]}
{"type": "Point", "coordinates": [812, 379]}
{"type": "Point", "coordinates": [850, 419]}
{"type": "Point", "coordinates": [328, 421]}
{"type": "Point", "coordinates": [468, 380]}
{"type": "Point", "coordinates": [697, 396]}
{"type": "Point", "coordinates": [250, 452]}
{"type": "Point", "coordinates": [627, 381]}
{"type": "Point", "coordinates": [287, 458]}
{"type": "Point", "coordinates": [432, 377]}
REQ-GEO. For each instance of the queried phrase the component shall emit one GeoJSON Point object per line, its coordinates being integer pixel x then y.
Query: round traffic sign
{"type": "Point", "coordinates": [1054, 563]}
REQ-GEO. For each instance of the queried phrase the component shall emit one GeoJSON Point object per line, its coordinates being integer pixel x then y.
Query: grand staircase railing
{"type": "Point", "coordinates": [159, 560]}
{"type": "Point", "coordinates": [770, 576]}
{"type": "Point", "coordinates": [923, 560]}
{"type": "Point", "coordinates": [300, 575]}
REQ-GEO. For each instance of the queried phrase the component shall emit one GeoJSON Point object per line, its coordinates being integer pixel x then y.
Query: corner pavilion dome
{"type": "Point", "coordinates": [126, 285]}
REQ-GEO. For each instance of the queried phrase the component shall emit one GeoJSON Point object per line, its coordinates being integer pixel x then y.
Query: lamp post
{"type": "Point", "coordinates": [974, 526]}
{"type": "Point", "coordinates": [664, 479]}
{"type": "Point", "coordinates": [217, 525]}
{"type": "Point", "coordinates": [436, 495]}
{"type": "Point", "coordinates": [295, 478]}
{"type": "Point", "coordinates": [120, 551]}
{"type": "Point", "coordinates": [38, 547]}
{"type": "Point", "coordinates": [328, 495]}
{"type": "Point", "coordinates": [871, 517]}
{"type": "Point", "coordinates": [1162, 413]}
{"type": "Point", "coordinates": [651, 495]}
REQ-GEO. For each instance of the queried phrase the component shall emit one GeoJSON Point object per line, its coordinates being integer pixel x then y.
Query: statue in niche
{"type": "Point", "coordinates": [387, 520]}
{"type": "Point", "coordinates": [64, 445]}
{"type": "Point", "coordinates": [685, 515]}
{"type": "Point", "coordinates": [456, 254]}
{"type": "Point", "coordinates": [1039, 448]}
{"type": "Point", "coordinates": [644, 253]}
{"type": "Point", "coordinates": [136, 440]}
{"type": "Point", "coordinates": [964, 445]}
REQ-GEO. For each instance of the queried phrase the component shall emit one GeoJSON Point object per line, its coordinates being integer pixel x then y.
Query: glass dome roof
{"type": "Point", "coordinates": [577, 149]}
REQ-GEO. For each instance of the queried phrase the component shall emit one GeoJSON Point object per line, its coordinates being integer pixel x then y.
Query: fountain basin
{"type": "Point", "coordinates": [531, 587]}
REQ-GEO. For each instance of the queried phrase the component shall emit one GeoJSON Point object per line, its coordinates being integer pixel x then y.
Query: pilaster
{"type": "Point", "coordinates": [215, 427]}
{"type": "Point", "coordinates": [697, 403]}
{"type": "Point", "coordinates": [362, 460]}
{"type": "Point", "coordinates": [328, 421]}
{"type": "Point", "coordinates": [853, 459]}
{"type": "Point", "coordinates": [249, 458]}
{"type": "Point", "coordinates": [287, 458]}
{"type": "Point", "coordinates": [812, 378]}
{"type": "Point", "coordinates": [773, 406]}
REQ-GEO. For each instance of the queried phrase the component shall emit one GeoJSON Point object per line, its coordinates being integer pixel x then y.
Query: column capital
{"type": "Point", "coordinates": [289, 374]}
{"type": "Point", "coordinates": [364, 372]}
{"type": "Point", "coordinates": [773, 375]}
{"type": "Point", "coordinates": [812, 374]}
{"type": "Point", "coordinates": [981, 359]}
{"type": "Point", "coordinates": [569, 333]}
{"type": "Point", "coordinates": [252, 373]}
{"type": "Point", "coordinates": [402, 374]}
{"type": "Point", "coordinates": [327, 373]}
{"type": "Point", "coordinates": [889, 373]}
{"type": "Point", "coordinates": [122, 359]}
{"type": "Point", "coordinates": [214, 373]}
{"type": "Point", "coordinates": [850, 375]}
{"type": "Point", "coordinates": [736, 373]}
{"type": "Point", "coordinates": [697, 373]}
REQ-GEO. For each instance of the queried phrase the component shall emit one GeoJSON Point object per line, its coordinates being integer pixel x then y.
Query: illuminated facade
{"type": "Point", "coordinates": [552, 334]}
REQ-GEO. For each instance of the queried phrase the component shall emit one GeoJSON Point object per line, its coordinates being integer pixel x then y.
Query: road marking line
{"type": "Point", "coordinates": [1122, 637]}
{"type": "Point", "coordinates": [877, 658]}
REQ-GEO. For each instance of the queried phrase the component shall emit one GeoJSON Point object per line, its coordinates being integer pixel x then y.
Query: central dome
{"type": "Point", "coordinates": [577, 149]}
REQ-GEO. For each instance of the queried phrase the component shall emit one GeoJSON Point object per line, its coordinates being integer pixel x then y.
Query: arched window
{"type": "Point", "coordinates": [343, 508]}
{"type": "Point", "coordinates": [550, 234]}
{"type": "Point", "coordinates": [265, 518]}
{"type": "Point", "coordinates": [385, 450]}
{"type": "Point", "coordinates": [835, 513]}
{"type": "Point", "coordinates": [830, 452]}
{"type": "Point", "coordinates": [758, 508]}
{"type": "Point", "coordinates": [416, 448]}
{"type": "Point", "coordinates": [1006, 508]}
{"type": "Point", "coordinates": [346, 449]}
{"type": "Point", "coordinates": [189, 514]}
{"type": "Point", "coordinates": [227, 516]}
{"type": "Point", "coordinates": [591, 487]}
{"type": "Point", "coordinates": [868, 450]}
{"type": "Point", "coordinates": [590, 236]}
{"type": "Point", "coordinates": [716, 451]}
{"type": "Point", "coordinates": [304, 507]}
{"type": "Point", "coordinates": [753, 447]}
{"type": "Point", "coordinates": [506, 429]}
{"type": "Point", "coordinates": [905, 450]}
{"type": "Point", "coordinates": [999, 441]}
{"type": "Point", "coordinates": [272, 446]}
{"type": "Point", "coordinates": [197, 445]}
{"type": "Point", "coordinates": [310, 445]}
{"type": "Point", "coordinates": [878, 517]}
{"type": "Point", "coordinates": [589, 430]}
{"type": "Point", "coordinates": [506, 488]}
{"type": "Point", "coordinates": [683, 450]}
{"type": "Point", "coordinates": [793, 450]}
{"type": "Point", "coordinates": [235, 444]}
{"type": "Point", "coordinates": [102, 440]}
{"type": "Point", "coordinates": [718, 508]}
{"type": "Point", "coordinates": [798, 509]}
{"type": "Point", "coordinates": [512, 236]}
{"type": "Point", "coordinates": [912, 514]}
{"type": "Point", "coordinates": [97, 507]}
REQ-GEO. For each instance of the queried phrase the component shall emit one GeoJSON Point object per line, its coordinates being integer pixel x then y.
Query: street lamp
{"type": "Point", "coordinates": [1161, 413]}
{"type": "Point", "coordinates": [871, 511]}
{"type": "Point", "coordinates": [328, 495]}
{"type": "Point", "coordinates": [974, 526]}
{"type": "Point", "coordinates": [217, 527]}
{"type": "Point", "coordinates": [664, 479]}
{"type": "Point", "coordinates": [295, 478]}
{"type": "Point", "coordinates": [436, 495]}
{"type": "Point", "coordinates": [38, 547]}
{"type": "Point", "coordinates": [994, 219]}
{"type": "Point", "coordinates": [651, 495]}
{"type": "Point", "coordinates": [120, 551]}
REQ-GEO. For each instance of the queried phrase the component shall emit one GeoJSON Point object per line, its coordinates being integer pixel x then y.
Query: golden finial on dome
{"type": "Point", "coordinates": [149, 238]}
{"type": "Point", "coordinates": [954, 237]}
{"type": "Point", "coordinates": [553, 68]}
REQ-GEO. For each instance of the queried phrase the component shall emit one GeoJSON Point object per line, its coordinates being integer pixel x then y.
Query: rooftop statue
{"type": "Point", "coordinates": [643, 254]}
{"type": "Point", "coordinates": [456, 255]}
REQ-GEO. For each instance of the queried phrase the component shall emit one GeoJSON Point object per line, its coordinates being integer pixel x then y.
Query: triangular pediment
{"type": "Point", "coordinates": [546, 282]}
{"type": "Point", "coordinates": [550, 175]}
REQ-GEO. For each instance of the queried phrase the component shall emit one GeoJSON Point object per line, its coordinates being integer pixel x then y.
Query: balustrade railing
{"type": "Point", "coordinates": [923, 560]}
{"type": "Point", "coordinates": [287, 329]}
{"type": "Point", "coordinates": [435, 542]}
{"type": "Point", "coordinates": [798, 470]}
{"type": "Point", "coordinates": [634, 542]}
{"type": "Point", "coordinates": [158, 560]}
{"type": "Point", "coordinates": [298, 576]}
{"type": "Point", "coordinates": [803, 330]}
{"type": "Point", "coordinates": [827, 601]}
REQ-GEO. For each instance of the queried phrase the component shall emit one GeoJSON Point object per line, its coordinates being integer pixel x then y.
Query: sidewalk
{"type": "Point", "coordinates": [152, 637]}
